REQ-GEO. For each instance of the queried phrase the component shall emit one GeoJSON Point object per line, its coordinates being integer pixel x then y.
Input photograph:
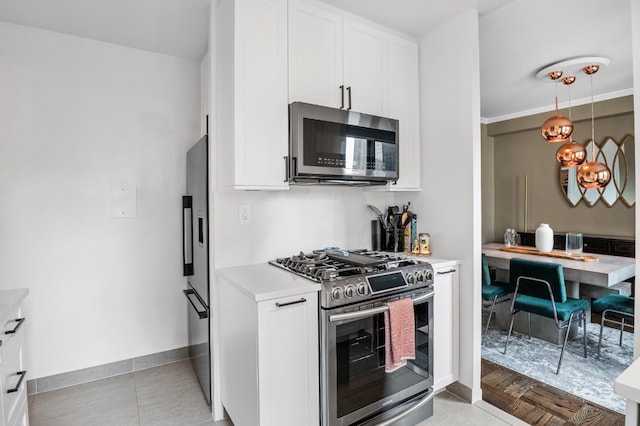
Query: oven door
{"type": "Point", "coordinates": [355, 386]}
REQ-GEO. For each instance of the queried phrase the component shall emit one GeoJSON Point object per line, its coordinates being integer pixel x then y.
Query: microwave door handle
{"type": "Point", "coordinates": [286, 169]}
{"type": "Point", "coordinates": [187, 235]}
{"type": "Point", "coordinates": [373, 311]}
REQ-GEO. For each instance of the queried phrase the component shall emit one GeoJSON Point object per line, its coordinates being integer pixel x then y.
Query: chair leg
{"type": "Point", "coordinates": [509, 334]}
{"type": "Point", "coordinates": [601, 329]}
{"type": "Point", "coordinates": [566, 337]}
{"type": "Point", "coordinates": [529, 323]}
{"type": "Point", "coordinates": [486, 329]}
{"type": "Point", "coordinates": [584, 332]}
{"type": "Point", "coordinates": [621, 330]}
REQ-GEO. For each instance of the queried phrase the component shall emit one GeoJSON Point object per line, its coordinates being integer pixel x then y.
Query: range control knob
{"type": "Point", "coordinates": [336, 293]}
{"type": "Point", "coordinates": [410, 278]}
{"type": "Point", "coordinates": [428, 275]}
{"type": "Point", "coordinates": [362, 289]}
{"type": "Point", "coordinates": [350, 290]}
{"type": "Point", "coordinates": [419, 276]}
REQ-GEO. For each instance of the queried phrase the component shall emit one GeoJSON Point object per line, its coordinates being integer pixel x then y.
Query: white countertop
{"type": "Point", "coordinates": [607, 271]}
{"type": "Point", "coordinates": [264, 281]}
{"type": "Point", "coordinates": [9, 299]}
{"type": "Point", "coordinates": [628, 383]}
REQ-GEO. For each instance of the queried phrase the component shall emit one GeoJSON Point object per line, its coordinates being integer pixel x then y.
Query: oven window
{"type": "Point", "coordinates": [360, 356]}
{"type": "Point", "coordinates": [349, 147]}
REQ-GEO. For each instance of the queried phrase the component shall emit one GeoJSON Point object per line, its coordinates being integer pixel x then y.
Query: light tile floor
{"type": "Point", "coordinates": [170, 395]}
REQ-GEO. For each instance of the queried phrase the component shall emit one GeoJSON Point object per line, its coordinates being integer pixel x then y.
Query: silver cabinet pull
{"type": "Point", "coordinates": [295, 302]}
{"type": "Point", "coordinates": [22, 374]}
{"type": "Point", "coordinates": [19, 323]}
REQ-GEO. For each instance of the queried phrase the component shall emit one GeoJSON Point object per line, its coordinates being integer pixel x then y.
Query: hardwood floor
{"type": "Point", "coordinates": [539, 404]}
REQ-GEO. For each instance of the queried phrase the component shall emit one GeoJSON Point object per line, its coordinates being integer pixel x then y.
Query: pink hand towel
{"type": "Point", "coordinates": [399, 326]}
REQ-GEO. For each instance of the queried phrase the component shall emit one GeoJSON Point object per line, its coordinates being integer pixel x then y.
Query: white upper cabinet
{"type": "Point", "coordinates": [365, 68]}
{"type": "Point", "coordinates": [315, 65]}
{"type": "Point", "coordinates": [251, 101]}
{"type": "Point", "coordinates": [404, 106]}
{"type": "Point", "coordinates": [334, 59]}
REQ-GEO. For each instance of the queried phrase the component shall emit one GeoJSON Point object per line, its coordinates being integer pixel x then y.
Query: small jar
{"type": "Point", "coordinates": [510, 238]}
{"type": "Point", "coordinates": [425, 243]}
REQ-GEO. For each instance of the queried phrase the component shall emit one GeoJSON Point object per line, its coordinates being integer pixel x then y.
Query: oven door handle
{"type": "Point", "coordinates": [409, 410]}
{"type": "Point", "coordinates": [376, 310]}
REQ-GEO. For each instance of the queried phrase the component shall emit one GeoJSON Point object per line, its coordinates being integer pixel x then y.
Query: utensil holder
{"type": "Point", "coordinates": [377, 232]}
{"type": "Point", "coordinates": [394, 240]}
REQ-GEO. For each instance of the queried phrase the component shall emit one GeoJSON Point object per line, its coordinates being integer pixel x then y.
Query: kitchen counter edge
{"type": "Point", "coordinates": [628, 382]}
{"type": "Point", "coordinates": [266, 282]}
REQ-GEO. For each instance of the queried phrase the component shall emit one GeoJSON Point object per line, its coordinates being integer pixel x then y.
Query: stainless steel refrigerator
{"type": "Point", "coordinates": [195, 231]}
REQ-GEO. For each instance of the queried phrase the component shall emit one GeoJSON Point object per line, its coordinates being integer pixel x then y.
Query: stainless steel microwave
{"type": "Point", "coordinates": [337, 146]}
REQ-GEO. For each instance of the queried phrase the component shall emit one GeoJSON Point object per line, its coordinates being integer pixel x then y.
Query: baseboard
{"type": "Point", "coordinates": [90, 374]}
{"type": "Point", "coordinates": [461, 391]}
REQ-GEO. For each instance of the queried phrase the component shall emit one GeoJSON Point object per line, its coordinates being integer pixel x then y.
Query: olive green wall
{"type": "Point", "coordinates": [516, 149]}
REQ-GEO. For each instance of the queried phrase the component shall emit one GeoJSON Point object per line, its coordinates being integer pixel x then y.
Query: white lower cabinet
{"type": "Point", "coordinates": [13, 382]}
{"type": "Point", "coordinates": [446, 324]}
{"type": "Point", "coordinates": [269, 358]}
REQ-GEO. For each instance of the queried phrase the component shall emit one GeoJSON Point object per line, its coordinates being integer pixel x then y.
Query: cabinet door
{"type": "Point", "coordinates": [365, 67]}
{"type": "Point", "coordinates": [404, 91]}
{"type": "Point", "coordinates": [445, 340]}
{"type": "Point", "coordinates": [288, 361]}
{"type": "Point", "coordinates": [315, 61]}
{"type": "Point", "coordinates": [14, 385]}
{"type": "Point", "coordinates": [261, 101]}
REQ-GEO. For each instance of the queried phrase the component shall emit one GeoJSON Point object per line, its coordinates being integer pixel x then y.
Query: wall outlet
{"type": "Point", "coordinates": [244, 214]}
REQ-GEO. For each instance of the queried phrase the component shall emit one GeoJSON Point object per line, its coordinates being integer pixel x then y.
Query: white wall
{"type": "Point", "coordinates": [450, 200]}
{"type": "Point", "coordinates": [285, 222]}
{"type": "Point", "coordinates": [77, 116]}
{"type": "Point", "coordinates": [635, 42]}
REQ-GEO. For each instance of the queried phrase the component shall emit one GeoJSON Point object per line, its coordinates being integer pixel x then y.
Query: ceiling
{"type": "Point", "coordinates": [517, 37]}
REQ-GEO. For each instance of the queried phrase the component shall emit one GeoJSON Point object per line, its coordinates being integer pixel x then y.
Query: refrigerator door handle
{"type": "Point", "coordinates": [187, 235]}
{"type": "Point", "coordinates": [190, 295]}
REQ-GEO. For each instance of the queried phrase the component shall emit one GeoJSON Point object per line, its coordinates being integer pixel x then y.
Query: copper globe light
{"type": "Point", "coordinates": [557, 128]}
{"type": "Point", "coordinates": [593, 174]}
{"type": "Point", "coordinates": [570, 154]}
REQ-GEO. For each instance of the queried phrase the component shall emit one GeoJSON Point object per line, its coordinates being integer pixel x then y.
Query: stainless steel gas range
{"type": "Point", "coordinates": [356, 287]}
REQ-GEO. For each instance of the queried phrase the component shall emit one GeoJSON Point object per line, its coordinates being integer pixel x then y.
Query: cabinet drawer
{"type": "Point", "coordinates": [21, 415]}
{"type": "Point", "coordinates": [14, 383]}
{"type": "Point", "coordinates": [11, 327]}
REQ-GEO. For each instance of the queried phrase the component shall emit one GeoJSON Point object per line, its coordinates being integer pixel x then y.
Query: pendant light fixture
{"type": "Point", "coordinates": [593, 174]}
{"type": "Point", "coordinates": [570, 154]}
{"type": "Point", "coordinates": [557, 128]}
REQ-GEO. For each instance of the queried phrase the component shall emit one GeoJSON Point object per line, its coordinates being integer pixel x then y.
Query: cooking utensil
{"type": "Point", "coordinates": [382, 218]}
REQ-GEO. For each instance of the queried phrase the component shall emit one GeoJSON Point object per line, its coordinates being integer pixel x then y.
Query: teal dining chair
{"type": "Point", "coordinates": [540, 289]}
{"type": "Point", "coordinates": [618, 308]}
{"type": "Point", "coordinates": [493, 292]}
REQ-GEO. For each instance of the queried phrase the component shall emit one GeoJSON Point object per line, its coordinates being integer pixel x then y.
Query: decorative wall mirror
{"type": "Point", "coordinates": [620, 158]}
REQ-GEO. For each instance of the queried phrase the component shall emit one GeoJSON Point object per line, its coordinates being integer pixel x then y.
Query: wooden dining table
{"type": "Point", "coordinates": [606, 271]}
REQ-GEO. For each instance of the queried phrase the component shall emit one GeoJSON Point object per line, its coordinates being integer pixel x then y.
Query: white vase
{"type": "Point", "coordinates": [544, 238]}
